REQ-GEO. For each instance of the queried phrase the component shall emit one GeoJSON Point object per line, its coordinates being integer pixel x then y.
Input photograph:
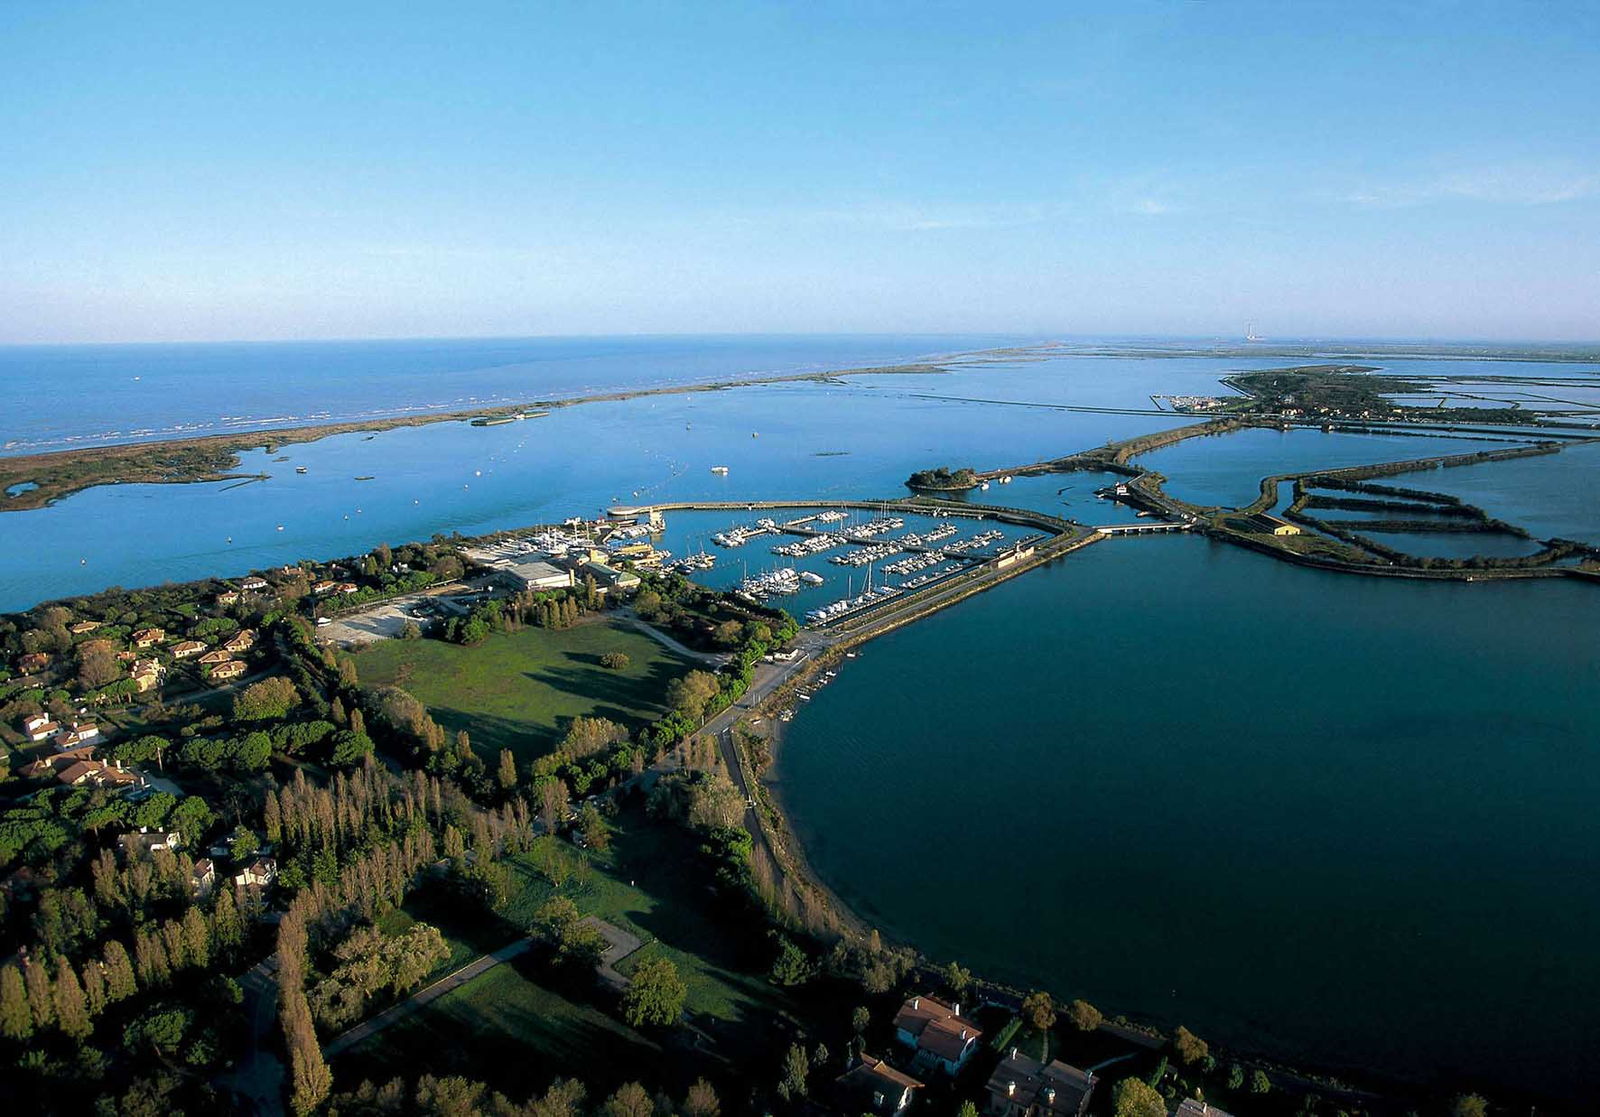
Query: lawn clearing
{"type": "Point", "coordinates": [652, 883]}
{"type": "Point", "coordinates": [519, 690]}
{"type": "Point", "coordinates": [506, 1028]}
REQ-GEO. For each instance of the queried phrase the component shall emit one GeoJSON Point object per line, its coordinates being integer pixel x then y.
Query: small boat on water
{"type": "Point", "coordinates": [299, 469]}
{"type": "Point", "coordinates": [368, 477]}
{"type": "Point", "coordinates": [720, 470]}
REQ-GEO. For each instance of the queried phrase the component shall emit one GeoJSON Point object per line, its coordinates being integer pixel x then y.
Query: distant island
{"type": "Point", "coordinates": [943, 479]}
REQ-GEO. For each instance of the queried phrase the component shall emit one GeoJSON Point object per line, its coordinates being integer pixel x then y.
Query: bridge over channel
{"type": "Point", "coordinates": [1144, 529]}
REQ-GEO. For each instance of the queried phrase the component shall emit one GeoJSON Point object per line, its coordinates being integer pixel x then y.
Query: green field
{"type": "Point", "coordinates": [652, 883]}
{"type": "Point", "coordinates": [518, 690]}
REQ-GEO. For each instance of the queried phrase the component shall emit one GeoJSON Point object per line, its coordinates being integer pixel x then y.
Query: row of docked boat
{"type": "Point", "coordinates": [861, 556]}
{"type": "Point", "coordinates": [849, 605]}
{"type": "Point", "coordinates": [832, 516]}
{"type": "Point", "coordinates": [772, 583]}
{"type": "Point", "coordinates": [879, 526]}
{"type": "Point", "coordinates": [809, 545]}
{"type": "Point", "coordinates": [913, 563]}
{"type": "Point", "coordinates": [690, 564]}
{"type": "Point", "coordinates": [739, 536]}
{"type": "Point", "coordinates": [930, 576]}
{"type": "Point", "coordinates": [976, 542]}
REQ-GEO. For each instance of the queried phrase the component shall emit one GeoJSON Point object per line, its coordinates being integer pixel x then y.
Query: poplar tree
{"type": "Point", "coordinates": [94, 988]}
{"type": "Point", "coordinates": [310, 1078]}
{"type": "Point", "coordinates": [71, 1015]}
{"type": "Point", "coordinates": [120, 981]}
{"type": "Point", "coordinates": [196, 938]}
{"type": "Point", "coordinates": [177, 950]}
{"type": "Point", "coordinates": [272, 818]}
{"type": "Point", "coordinates": [40, 998]}
{"type": "Point", "coordinates": [150, 959]}
{"type": "Point", "coordinates": [227, 929]}
{"type": "Point", "coordinates": [508, 770]}
{"type": "Point", "coordinates": [16, 1018]}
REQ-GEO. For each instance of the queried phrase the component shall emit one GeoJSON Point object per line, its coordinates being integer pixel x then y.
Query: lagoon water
{"type": "Point", "coordinates": [1323, 816]}
{"type": "Point", "coordinates": [1341, 819]}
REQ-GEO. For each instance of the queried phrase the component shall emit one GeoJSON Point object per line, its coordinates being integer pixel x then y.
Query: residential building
{"type": "Point", "coordinates": [873, 1086]}
{"type": "Point", "coordinates": [1023, 1086]}
{"type": "Point", "coordinates": [203, 880]}
{"type": "Point", "coordinates": [258, 873]}
{"type": "Point", "coordinates": [941, 1037]}
{"type": "Point", "coordinates": [75, 734]}
{"type": "Point", "coordinates": [142, 845]}
{"type": "Point", "coordinates": [93, 773]}
{"type": "Point", "coordinates": [187, 649]}
{"type": "Point", "coordinates": [148, 637]}
{"type": "Point", "coordinates": [232, 669]}
{"type": "Point", "coordinates": [58, 762]}
{"type": "Point", "coordinates": [33, 662]}
{"type": "Point", "coordinates": [241, 641]}
{"type": "Point", "coordinates": [322, 589]}
{"type": "Point", "coordinates": [215, 656]}
{"type": "Point", "coordinates": [228, 597]}
{"type": "Point", "coordinates": [254, 584]}
{"type": "Point", "coordinates": [83, 626]}
{"type": "Point", "coordinates": [1194, 1107]}
{"type": "Point", "coordinates": [39, 727]}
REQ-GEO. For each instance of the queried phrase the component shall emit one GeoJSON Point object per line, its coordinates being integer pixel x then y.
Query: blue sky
{"type": "Point", "coordinates": [352, 169]}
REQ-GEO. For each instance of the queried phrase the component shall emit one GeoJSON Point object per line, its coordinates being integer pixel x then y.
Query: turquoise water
{"type": "Point", "coordinates": [123, 393]}
{"type": "Point", "coordinates": [1341, 819]}
{"type": "Point", "coordinates": [1387, 861]}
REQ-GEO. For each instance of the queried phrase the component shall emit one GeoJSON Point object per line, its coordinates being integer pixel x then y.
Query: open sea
{"type": "Point", "coordinates": [1338, 819]}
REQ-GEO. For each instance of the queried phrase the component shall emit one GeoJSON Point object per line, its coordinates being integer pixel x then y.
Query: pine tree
{"type": "Point", "coordinates": [120, 981]}
{"type": "Point", "coordinates": [16, 1018]}
{"type": "Point", "coordinates": [196, 938]}
{"type": "Point", "coordinates": [72, 1017]}
{"type": "Point", "coordinates": [94, 988]}
{"type": "Point", "coordinates": [41, 998]}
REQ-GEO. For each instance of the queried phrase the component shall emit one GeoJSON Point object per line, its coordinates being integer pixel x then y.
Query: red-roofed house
{"type": "Point", "coordinates": [937, 1032]}
{"type": "Point", "coordinates": [38, 727]}
{"type": "Point", "coordinates": [873, 1086]}
{"type": "Point", "coordinates": [148, 637]}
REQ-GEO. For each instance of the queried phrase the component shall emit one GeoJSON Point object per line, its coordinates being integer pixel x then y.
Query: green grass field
{"type": "Point", "coordinates": [519, 690]}
{"type": "Point", "coordinates": [650, 882]}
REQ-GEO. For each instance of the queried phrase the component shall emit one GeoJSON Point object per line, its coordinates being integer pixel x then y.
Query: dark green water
{"type": "Point", "coordinates": [1339, 819]}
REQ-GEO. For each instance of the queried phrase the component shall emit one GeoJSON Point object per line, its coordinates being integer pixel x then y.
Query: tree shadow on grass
{"type": "Point", "coordinates": [512, 1029]}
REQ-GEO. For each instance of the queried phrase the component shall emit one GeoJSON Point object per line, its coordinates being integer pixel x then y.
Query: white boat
{"type": "Point", "coordinates": [720, 470]}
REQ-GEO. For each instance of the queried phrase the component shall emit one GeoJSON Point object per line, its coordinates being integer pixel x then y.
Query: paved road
{"type": "Point", "coordinates": [710, 659]}
{"type": "Point", "coordinates": [259, 1075]}
{"type": "Point", "coordinates": [453, 980]}
{"type": "Point", "coordinates": [619, 944]}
